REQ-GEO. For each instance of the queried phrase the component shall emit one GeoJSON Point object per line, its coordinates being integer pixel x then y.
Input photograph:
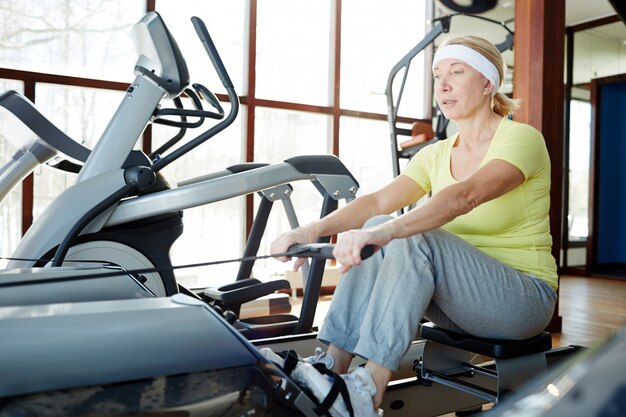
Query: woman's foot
{"type": "Point", "coordinates": [354, 391]}
{"type": "Point", "coordinates": [358, 386]}
{"type": "Point", "coordinates": [362, 390]}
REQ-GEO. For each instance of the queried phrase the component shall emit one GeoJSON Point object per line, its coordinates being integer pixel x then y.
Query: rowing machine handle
{"type": "Point", "coordinates": [323, 251]}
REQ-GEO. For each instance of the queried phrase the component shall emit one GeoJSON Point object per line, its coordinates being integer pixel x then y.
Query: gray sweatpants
{"type": "Point", "coordinates": [378, 305]}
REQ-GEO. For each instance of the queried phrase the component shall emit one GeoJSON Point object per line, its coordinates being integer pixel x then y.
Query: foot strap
{"type": "Point", "coordinates": [338, 387]}
{"type": "Point", "coordinates": [291, 360]}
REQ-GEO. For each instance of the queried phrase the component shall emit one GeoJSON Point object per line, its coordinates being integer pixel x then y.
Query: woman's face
{"type": "Point", "coordinates": [460, 90]}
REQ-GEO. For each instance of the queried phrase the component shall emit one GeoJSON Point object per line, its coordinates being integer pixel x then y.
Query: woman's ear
{"type": "Point", "coordinates": [488, 88]}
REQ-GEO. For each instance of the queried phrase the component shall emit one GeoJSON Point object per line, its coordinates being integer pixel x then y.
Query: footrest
{"type": "Point", "coordinates": [244, 290]}
{"type": "Point", "coordinates": [495, 348]}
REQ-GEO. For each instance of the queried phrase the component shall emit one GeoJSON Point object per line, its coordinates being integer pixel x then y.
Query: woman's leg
{"type": "Point", "coordinates": [475, 291]}
{"type": "Point", "coordinates": [381, 377]}
{"type": "Point", "coordinates": [350, 301]}
{"type": "Point", "coordinates": [341, 359]}
{"type": "Point", "coordinates": [379, 304]}
{"type": "Point", "coordinates": [481, 296]}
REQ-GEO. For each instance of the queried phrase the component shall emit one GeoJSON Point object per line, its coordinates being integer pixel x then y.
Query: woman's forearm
{"type": "Point", "coordinates": [351, 216]}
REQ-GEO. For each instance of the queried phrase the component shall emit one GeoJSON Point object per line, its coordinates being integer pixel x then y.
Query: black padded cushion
{"type": "Point", "coordinates": [245, 290]}
{"type": "Point", "coordinates": [495, 348]}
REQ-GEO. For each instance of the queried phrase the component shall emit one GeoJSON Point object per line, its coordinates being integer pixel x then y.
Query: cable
{"type": "Point", "coordinates": [141, 270]}
{"type": "Point", "coordinates": [311, 250]}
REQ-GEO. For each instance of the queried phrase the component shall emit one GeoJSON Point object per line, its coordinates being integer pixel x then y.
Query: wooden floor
{"type": "Point", "coordinates": [591, 309]}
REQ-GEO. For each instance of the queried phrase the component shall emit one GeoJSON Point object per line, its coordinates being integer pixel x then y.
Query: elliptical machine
{"type": "Point", "coordinates": [121, 210]}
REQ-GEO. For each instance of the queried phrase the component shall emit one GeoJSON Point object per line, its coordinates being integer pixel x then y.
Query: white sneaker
{"type": "Point", "coordinates": [362, 388]}
{"type": "Point", "coordinates": [359, 384]}
{"type": "Point", "coordinates": [309, 378]}
{"type": "Point", "coordinates": [359, 387]}
{"type": "Point", "coordinates": [320, 386]}
{"type": "Point", "coordinates": [270, 355]}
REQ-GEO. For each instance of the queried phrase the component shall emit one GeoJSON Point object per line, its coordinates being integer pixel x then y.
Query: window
{"type": "Point", "coordinates": [87, 38]}
{"type": "Point", "coordinates": [226, 25]}
{"type": "Point", "coordinates": [281, 134]}
{"type": "Point", "coordinates": [374, 36]}
{"type": "Point", "coordinates": [293, 51]}
{"type": "Point", "coordinates": [580, 146]}
{"type": "Point", "coordinates": [214, 231]}
{"type": "Point", "coordinates": [365, 149]}
{"type": "Point", "coordinates": [298, 69]}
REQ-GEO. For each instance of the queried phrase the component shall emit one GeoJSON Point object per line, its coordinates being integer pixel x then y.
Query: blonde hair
{"type": "Point", "coordinates": [501, 104]}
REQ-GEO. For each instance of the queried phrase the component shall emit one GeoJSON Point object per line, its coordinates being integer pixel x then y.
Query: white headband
{"type": "Point", "coordinates": [473, 59]}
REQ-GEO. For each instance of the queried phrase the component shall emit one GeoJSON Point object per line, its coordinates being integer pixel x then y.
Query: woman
{"type": "Point", "coordinates": [475, 258]}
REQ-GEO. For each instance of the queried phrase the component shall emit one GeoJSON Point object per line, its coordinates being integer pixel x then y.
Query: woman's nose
{"type": "Point", "coordinates": [443, 84]}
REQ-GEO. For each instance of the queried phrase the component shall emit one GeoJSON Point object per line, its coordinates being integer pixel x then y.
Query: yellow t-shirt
{"type": "Point", "coordinates": [515, 227]}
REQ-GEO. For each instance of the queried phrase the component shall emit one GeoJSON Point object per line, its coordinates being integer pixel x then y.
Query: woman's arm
{"type": "Point", "coordinates": [496, 178]}
{"type": "Point", "coordinates": [399, 193]}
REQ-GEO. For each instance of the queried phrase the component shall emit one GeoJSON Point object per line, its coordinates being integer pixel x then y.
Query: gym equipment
{"type": "Point", "coordinates": [446, 356]}
{"type": "Point", "coordinates": [592, 383]}
{"type": "Point", "coordinates": [117, 349]}
{"type": "Point", "coordinates": [37, 286]}
{"type": "Point", "coordinates": [121, 210]}
{"type": "Point", "coordinates": [476, 6]}
{"type": "Point", "coordinates": [190, 350]}
{"type": "Point", "coordinates": [36, 139]}
{"type": "Point", "coordinates": [153, 356]}
{"type": "Point", "coordinates": [230, 297]}
{"type": "Point", "coordinates": [440, 25]}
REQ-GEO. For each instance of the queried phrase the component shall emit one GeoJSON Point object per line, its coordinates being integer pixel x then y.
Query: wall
{"type": "Point", "coordinates": [597, 56]}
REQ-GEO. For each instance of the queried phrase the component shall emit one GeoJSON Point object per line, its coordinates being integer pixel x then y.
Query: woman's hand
{"type": "Point", "coordinates": [348, 248]}
{"type": "Point", "coordinates": [283, 242]}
